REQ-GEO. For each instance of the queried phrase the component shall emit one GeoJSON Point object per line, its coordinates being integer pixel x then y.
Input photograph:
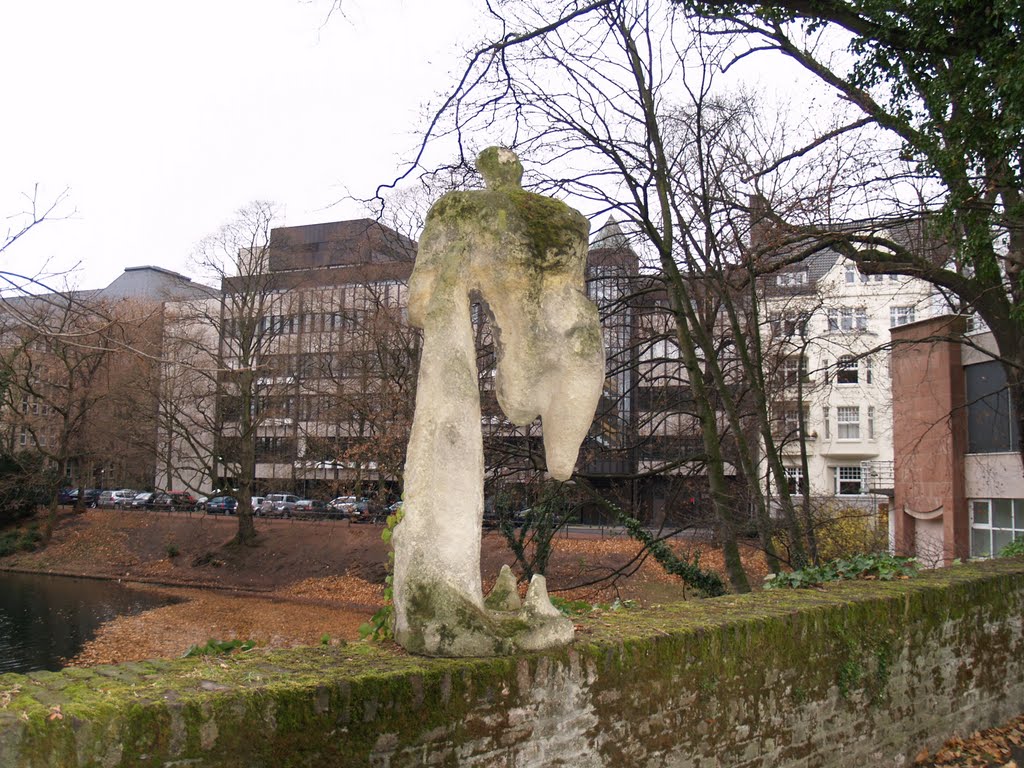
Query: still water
{"type": "Point", "coordinates": [46, 619]}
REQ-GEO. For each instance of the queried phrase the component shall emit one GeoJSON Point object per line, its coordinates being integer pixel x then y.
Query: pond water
{"type": "Point", "coordinates": [45, 620]}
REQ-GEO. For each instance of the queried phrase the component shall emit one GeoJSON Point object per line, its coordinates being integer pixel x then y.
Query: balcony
{"type": "Point", "coordinates": [878, 476]}
{"type": "Point", "coordinates": [848, 449]}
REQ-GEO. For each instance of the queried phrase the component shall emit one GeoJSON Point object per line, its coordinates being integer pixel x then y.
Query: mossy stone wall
{"type": "Point", "coordinates": [857, 674]}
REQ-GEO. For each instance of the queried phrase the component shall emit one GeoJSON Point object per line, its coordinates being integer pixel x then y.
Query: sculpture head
{"type": "Point", "coordinates": [500, 168]}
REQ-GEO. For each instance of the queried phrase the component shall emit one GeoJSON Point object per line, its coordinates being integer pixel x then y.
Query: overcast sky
{"type": "Point", "coordinates": [162, 119]}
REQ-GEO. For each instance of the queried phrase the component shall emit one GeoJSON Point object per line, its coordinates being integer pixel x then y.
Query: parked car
{"type": "Point", "coordinates": [279, 504]}
{"type": "Point", "coordinates": [310, 508]}
{"type": "Point", "coordinates": [176, 500]}
{"type": "Point", "coordinates": [115, 499]}
{"type": "Point", "coordinates": [257, 502]}
{"type": "Point", "coordinates": [365, 511]}
{"type": "Point", "coordinates": [89, 497]}
{"type": "Point", "coordinates": [222, 505]}
{"type": "Point", "coordinates": [67, 496]}
{"type": "Point", "coordinates": [201, 503]}
{"type": "Point", "coordinates": [141, 500]}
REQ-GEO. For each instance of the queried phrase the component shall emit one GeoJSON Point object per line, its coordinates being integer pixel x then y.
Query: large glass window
{"type": "Point", "coordinates": [795, 480]}
{"type": "Point", "coordinates": [994, 524]}
{"type": "Point", "coordinates": [848, 481]}
{"type": "Point", "coordinates": [847, 319]}
{"type": "Point", "coordinates": [791, 279]}
{"type": "Point", "coordinates": [900, 316]}
{"type": "Point", "coordinates": [848, 422]}
{"type": "Point", "coordinates": [846, 370]}
{"type": "Point", "coordinates": [991, 426]}
{"type": "Point", "coordinates": [794, 369]}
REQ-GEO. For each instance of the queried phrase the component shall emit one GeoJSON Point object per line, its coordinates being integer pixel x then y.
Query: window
{"type": "Point", "coordinates": [828, 423]}
{"type": "Point", "coordinates": [900, 316]}
{"type": "Point", "coordinates": [794, 370]}
{"type": "Point", "coordinates": [789, 279]}
{"type": "Point", "coordinates": [994, 524]}
{"type": "Point", "coordinates": [867, 370]}
{"type": "Point", "coordinates": [871, 422]}
{"type": "Point", "coordinates": [795, 481]}
{"type": "Point", "coordinates": [848, 481]}
{"type": "Point", "coordinates": [789, 414]}
{"type": "Point", "coordinates": [851, 275]}
{"type": "Point", "coordinates": [846, 370]}
{"type": "Point", "coordinates": [846, 319]}
{"type": "Point", "coordinates": [991, 426]}
{"type": "Point", "coordinates": [788, 323]}
{"type": "Point", "coordinates": [848, 422]}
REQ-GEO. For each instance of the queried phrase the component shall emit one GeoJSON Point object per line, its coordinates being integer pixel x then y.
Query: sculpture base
{"type": "Point", "coordinates": [441, 621]}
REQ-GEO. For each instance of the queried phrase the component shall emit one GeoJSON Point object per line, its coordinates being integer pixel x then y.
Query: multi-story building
{"type": "Point", "coordinates": [959, 479]}
{"type": "Point", "coordinates": [81, 373]}
{"type": "Point", "coordinates": [828, 344]}
{"type": "Point", "coordinates": [311, 360]}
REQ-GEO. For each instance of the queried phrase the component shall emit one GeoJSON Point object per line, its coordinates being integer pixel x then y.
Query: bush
{"type": "Point", "coordinates": [173, 551]}
{"type": "Point", "coordinates": [880, 566]}
{"type": "Point", "coordinates": [19, 541]}
{"type": "Point", "coordinates": [25, 485]}
{"type": "Point", "coordinates": [841, 531]}
{"type": "Point", "coordinates": [219, 648]}
{"type": "Point", "coordinates": [1014, 549]}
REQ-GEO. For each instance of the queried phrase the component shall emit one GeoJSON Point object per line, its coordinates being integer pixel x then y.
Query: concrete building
{"type": "Point", "coordinates": [82, 367]}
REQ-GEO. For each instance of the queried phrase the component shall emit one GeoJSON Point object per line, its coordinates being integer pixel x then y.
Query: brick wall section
{"type": "Point", "coordinates": [930, 432]}
{"type": "Point", "coordinates": [862, 674]}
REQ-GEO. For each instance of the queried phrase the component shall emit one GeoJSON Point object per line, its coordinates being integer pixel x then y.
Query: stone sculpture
{"type": "Point", "coordinates": [524, 254]}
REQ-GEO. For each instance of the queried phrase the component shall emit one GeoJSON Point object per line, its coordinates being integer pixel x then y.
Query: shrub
{"type": "Point", "coordinates": [1014, 549]}
{"type": "Point", "coordinates": [173, 551]}
{"type": "Point", "coordinates": [19, 541]}
{"type": "Point", "coordinates": [881, 566]}
{"type": "Point", "coordinates": [841, 531]}
{"type": "Point", "coordinates": [219, 648]}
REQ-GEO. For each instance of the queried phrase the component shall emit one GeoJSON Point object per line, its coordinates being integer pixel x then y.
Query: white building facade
{"type": "Point", "coordinates": [828, 339]}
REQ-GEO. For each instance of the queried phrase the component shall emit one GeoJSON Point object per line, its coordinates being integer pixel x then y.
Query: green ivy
{"type": "Point", "coordinates": [1014, 549]}
{"type": "Point", "coordinates": [219, 648]}
{"type": "Point", "coordinates": [380, 624]}
{"type": "Point", "coordinates": [879, 566]}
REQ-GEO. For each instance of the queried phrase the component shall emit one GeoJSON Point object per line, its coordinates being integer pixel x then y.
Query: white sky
{"type": "Point", "coordinates": [162, 119]}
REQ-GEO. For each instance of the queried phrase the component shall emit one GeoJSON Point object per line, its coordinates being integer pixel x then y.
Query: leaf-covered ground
{"type": "Point", "coordinates": [311, 582]}
{"type": "Point", "coordinates": [1001, 747]}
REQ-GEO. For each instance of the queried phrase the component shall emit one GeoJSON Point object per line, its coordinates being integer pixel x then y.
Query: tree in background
{"type": "Point", "coordinates": [945, 80]}
{"type": "Point", "coordinates": [625, 94]}
{"type": "Point", "coordinates": [69, 368]}
{"type": "Point", "coordinates": [248, 318]}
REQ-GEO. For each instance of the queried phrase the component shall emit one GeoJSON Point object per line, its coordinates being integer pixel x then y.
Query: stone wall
{"type": "Point", "coordinates": [859, 674]}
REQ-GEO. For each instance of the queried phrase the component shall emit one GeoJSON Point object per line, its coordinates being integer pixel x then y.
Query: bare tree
{"type": "Point", "coordinates": [617, 105]}
{"type": "Point", "coordinates": [940, 84]}
{"type": "Point", "coordinates": [69, 371]}
{"type": "Point", "coordinates": [249, 319]}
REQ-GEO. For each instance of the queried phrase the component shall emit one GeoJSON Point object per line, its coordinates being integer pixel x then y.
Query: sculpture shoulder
{"type": "Point", "coordinates": [482, 208]}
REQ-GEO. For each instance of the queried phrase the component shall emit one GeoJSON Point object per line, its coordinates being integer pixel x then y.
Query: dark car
{"type": "Point", "coordinates": [142, 500]}
{"type": "Point", "coordinates": [221, 505]}
{"type": "Point", "coordinates": [311, 508]}
{"type": "Point", "coordinates": [365, 511]}
{"type": "Point", "coordinates": [90, 497]}
{"type": "Point", "coordinates": [172, 500]}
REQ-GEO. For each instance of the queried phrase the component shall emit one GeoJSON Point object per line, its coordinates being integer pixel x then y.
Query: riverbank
{"type": "Point", "coordinates": [304, 582]}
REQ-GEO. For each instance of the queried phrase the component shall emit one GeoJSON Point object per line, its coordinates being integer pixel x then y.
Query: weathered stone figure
{"type": "Point", "coordinates": [525, 255]}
